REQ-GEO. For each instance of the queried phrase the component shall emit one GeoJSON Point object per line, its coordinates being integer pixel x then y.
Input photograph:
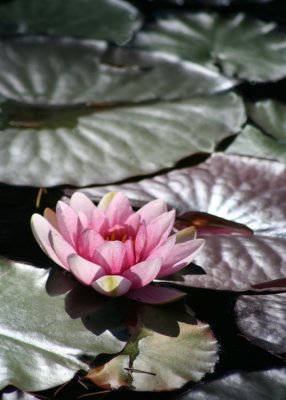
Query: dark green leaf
{"type": "Point", "coordinates": [114, 20]}
{"type": "Point", "coordinates": [240, 47]}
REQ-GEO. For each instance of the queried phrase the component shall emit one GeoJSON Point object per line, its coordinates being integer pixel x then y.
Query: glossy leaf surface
{"type": "Point", "coordinates": [262, 320]}
{"type": "Point", "coordinates": [268, 139]}
{"type": "Point", "coordinates": [166, 350]}
{"type": "Point", "coordinates": [104, 19]}
{"type": "Point", "coordinates": [41, 345]}
{"type": "Point", "coordinates": [49, 71]}
{"type": "Point", "coordinates": [241, 47]}
{"type": "Point", "coordinates": [260, 385]}
{"type": "Point", "coordinates": [242, 189]}
{"type": "Point", "coordinates": [112, 145]}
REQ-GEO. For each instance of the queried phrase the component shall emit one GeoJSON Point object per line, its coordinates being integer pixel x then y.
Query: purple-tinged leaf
{"type": "Point", "coordinates": [261, 318]}
{"type": "Point", "coordinates": [247, 191]}
{"type": "Point", "coordinates": [260, 385]}
{"type": "Point", "coordinates": [207, 224]}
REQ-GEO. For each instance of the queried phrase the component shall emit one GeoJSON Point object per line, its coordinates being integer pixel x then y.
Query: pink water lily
{"type": "Point", "coordinates": [115, 250]}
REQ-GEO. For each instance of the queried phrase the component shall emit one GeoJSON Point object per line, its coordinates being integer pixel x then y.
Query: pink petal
{"type": "Point", "coordinates": [112, 285]}
{"type": "Point", "coordinates": [61, 248]}
{"type": "Point", "coordinates": [152, 210]}
{"type": "Point", "coordinates": [164, 250]}
{"type": "Point", "coordinates": [143, 273]}
{"type": "Point", "coordinates": [41, 229]}
{"type": "Point", "coordinates": [118, 210]}
{"type": "Point", "coordinates": [88, 242]}
{"type": "Point", "coordinates": [84, 270]}
{"type": "Point", "coordinates": [114, 254]}
{"type": "Point", "coordinates": [79, 202]}
{"type": "Point", "coordinates": [130, 253]}
{"type": "Point", "coordinates": [83, 221]}
{"type": "Point", "coordinates": [99, 221]}
{"type": "Point", "coordinates": [140, 241]}
{"type": "Point", "coordinates": [132, 224]}
{"type": "Point", "coordinates": [158, 230]}
{"type": "Point", "coordinates": [67, 222]}
{"type": "Point", "coordinates": [182, 255]}
{"type": "Point", "coordinates": [154, 294]}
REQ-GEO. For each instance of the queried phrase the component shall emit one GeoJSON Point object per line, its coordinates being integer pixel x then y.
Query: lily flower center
{"type": "Point", "coordinates": [117, 232]}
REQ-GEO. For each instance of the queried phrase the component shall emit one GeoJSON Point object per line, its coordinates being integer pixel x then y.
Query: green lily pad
{"type": "Point", "coordinates": [271, 143]}
{"type": "Point", "coordinates": [166, 350]}
{"type": "Point", "coordinates": [48, 71]}
{"type": "Point", "coordinates": [114, 144]}
{"type": "Point", "coordinates": [114, 20]}
{"type": "Point", "coordinates": [41, 345]}
{"type": "Point", "coordinates": [262, 320]}
{"type": "Point", "coordinates": [260, 385]}
{"type": "Point", "coordinates": [240, 47]}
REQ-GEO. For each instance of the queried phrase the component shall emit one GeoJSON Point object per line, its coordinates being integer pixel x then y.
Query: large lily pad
{"type": "Point", "coordinates": [260, 385]}
{"type": "Point", "coordinates": [115, 144]}
{"type": "Point", "coordinates": [245, 190]}
{"type": "Point", "coordinates": [104, 19]}
{"type": "Point", "coordinates": [166, 350]}
{"type": "Point", "coordinates": [240, 46]}
{"type": "Point", "coordinates": [239, 264]}
{"type": "Point", "coordinates": [242, 189]}
{"type": "Point", "coordinates": [269, 143]}
{"type": "Point", "coordinates": [262, 320]}
{"type": "Point", "coordinates": [41, 345]}
{"type": "Point", "coordinates": [48, 71]}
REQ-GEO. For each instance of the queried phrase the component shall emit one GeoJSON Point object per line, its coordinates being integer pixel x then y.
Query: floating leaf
{"type": "Point", "coordinates": [41, 345]}
{"type": "Point", "coordinates": [261, 385]}
{"type": "Point", "coordinates": [167, 349]}
{"type": "Point", "coordinates": [241, 189]}
{"type": "Point", "coordinates": [112, 375]}
{"type": "Point", "coordinates": [270, 117]}
{"type": "Point", "coordinates": [49, 71]}
{"type": "Point", "coordinates": [240, 46]}
{"type": "Point", "coordinates": [208, 224]}
{"type": "Point", "coordinates": [18, 395]}
{"type": "Point", "coordinates": [115, 144]}
{"type": "Point", "coordinates": [262, 320]}
{"type": "Point", "coordinates": [114, 20]}
{"type": "Point", "coordinates": [238, 264]}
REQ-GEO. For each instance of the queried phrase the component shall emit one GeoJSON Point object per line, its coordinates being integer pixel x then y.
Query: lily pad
{"type": "Point", "coordinates": [262, 320]}
{"type": "Point", "coordinates": [240, 47]}
{"type": "Point", "coordinates": [114, 144]}
{"type": "Point", "coordinates": [260, 385]}
{"type": "Point", "coordinates": [238, 264]}
{"type": "Point", "coordinates": [269, 116]}
{"type": "Point", "coordinates": [165, 351]}
{"type": "Point", "coordinates": [114, 20]}
{"type": "Point", "coordinates": [41, 345]}
{"type": "Point", "coordinates": [18, 395]}
{"type": "Point", "coordinates": [242, 189]}
{"type": "Point", "coordinates": [48, 71]}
